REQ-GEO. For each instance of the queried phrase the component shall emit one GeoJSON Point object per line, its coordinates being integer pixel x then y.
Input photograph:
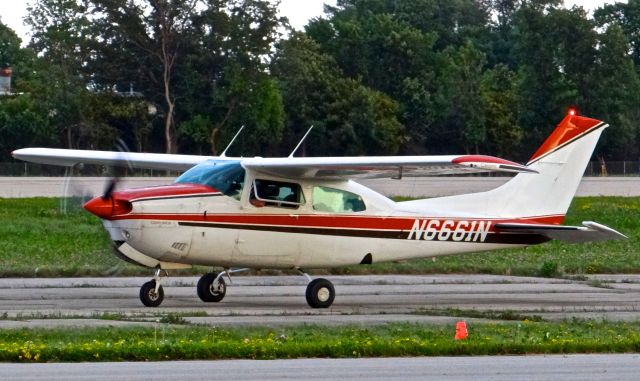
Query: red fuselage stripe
{"type": "Point", "coordinates": [329, 221]}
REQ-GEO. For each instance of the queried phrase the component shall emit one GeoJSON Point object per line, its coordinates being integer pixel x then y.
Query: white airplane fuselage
{"type": "Point", "coordinates": [217, 230]}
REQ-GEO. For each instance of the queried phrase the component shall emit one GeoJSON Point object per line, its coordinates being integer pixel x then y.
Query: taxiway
{"type": "Point", "coordinates": [360, 300]}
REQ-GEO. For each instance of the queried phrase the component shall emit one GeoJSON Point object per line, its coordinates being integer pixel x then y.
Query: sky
{"type": "Point", "coordinates": [298, 11]}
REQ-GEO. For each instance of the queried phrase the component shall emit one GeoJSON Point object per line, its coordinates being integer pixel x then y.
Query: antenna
{"type": "Point", "coordinates": [223, 154]}
{"type": "Point", "coordinates": [301, 140]}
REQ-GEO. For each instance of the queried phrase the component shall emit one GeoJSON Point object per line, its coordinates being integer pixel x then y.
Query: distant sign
{"type": "Point", "coordinates": [5, 80]}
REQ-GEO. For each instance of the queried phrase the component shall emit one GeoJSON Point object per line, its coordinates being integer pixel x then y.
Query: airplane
{"type": "Point", "coordinates": [304, 213]}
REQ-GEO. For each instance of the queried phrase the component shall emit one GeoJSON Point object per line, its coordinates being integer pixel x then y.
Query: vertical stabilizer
{"type": "Point", "coordinates": [560, 161]}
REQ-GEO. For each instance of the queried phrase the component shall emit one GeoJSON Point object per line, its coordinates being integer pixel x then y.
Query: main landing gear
{"type": "Point", "coordinates": [212, 288]}
{"type": "Point", "coordinates": [320, 292]}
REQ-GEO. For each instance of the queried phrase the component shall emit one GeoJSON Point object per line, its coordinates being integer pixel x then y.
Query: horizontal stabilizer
{"type": "Point", "coordinates": [589, 232]}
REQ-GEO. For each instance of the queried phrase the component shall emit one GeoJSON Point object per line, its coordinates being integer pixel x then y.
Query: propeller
{"type": "Point", "coordinates": [76, 192]}
{"type": "Point", "coordinates": [118, 172]}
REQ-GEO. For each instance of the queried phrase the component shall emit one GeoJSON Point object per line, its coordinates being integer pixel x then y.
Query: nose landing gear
{"type": "Point", "coordinates": [151, 293]}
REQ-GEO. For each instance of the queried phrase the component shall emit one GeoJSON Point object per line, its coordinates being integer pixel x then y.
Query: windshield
{"type": "Point", "coordinates": [226, 176]}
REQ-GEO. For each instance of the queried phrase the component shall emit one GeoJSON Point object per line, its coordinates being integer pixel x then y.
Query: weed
{"type": "Point", "coordinates": [173, 319]}
{"type": "Point", "coordinates": [480, 314]}
{"type": "Point", "coordinates": [548, 269]}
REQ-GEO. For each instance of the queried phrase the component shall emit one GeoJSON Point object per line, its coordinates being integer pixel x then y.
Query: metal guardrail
{"type": "Point", "coordinates": [595, 169]}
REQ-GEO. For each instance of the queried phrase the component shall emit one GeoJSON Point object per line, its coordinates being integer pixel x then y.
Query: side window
{"type": "Point", "coordinates": [276, 193]}
{"type": "Point", "coordinates": [336, 201]}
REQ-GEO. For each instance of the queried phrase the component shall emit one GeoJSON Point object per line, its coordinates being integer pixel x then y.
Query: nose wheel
{"type": "Point", "coordinates": [151, 293]}
{"type": "Point", "coordinates": [320, 293]}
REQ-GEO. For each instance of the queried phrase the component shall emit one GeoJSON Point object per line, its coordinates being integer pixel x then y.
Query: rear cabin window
{"type": "Point", "coordinates": [336, 201]}
{"type": "Point", "coordinates": [276, 193]}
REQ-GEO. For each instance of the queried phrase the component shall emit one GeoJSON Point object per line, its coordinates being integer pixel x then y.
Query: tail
{"type": "Point", "coordinates": [561, 162]}
{"type": "Point", "coordinates": [546, 196]}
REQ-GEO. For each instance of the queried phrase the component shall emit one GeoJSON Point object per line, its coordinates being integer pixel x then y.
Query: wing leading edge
{"type": "Point", "coordinates": [380, 166]}
{"type": "Point", "coordinates": [589, 231]}
{"type": "Point", "coordinates": [68, 157]}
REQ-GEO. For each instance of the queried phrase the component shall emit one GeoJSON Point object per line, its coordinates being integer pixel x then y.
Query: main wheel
{"type": "Point", "coordinates": [149, 296]}
{"type": "Point", "coordinates": [210, 290]}
{"type": "Point", "coordinates": [320, 293]}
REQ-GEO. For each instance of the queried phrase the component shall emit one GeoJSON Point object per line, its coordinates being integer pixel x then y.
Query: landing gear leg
{"type": "Point", "coordinates": [320, 292]}
{"type": "Point", "coordinates": [212, 287]}
{"type": "Point", "coordinates": [151, 293]}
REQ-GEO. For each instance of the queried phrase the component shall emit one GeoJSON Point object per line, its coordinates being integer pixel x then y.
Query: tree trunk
{"type": "Point", "coordinates": [213, 139]}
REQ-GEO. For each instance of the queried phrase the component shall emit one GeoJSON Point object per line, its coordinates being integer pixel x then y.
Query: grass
{"type": "Point", "coordinates": [191, 343]}
{"type": "Point", "coordinates": [37, 240]}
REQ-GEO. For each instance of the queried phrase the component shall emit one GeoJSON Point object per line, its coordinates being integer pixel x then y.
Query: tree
{"type": "Point", "coordinates": [23, 123]}
{"type": "Point", "coordinates": [462, 111]}
{"type": "Point", "coordinates": [148, 37]}
{"type": "Point", "coordinates": [349, 118]}
{"type": "Point", "coordinates": [617, 87]}
{"type": "Point", "coordinates": [499, 94]}
{"type": "Point", "coordinates": [61, 30]}
{"type": "Point", "coordinates": [9, 46]}
{"type": "Point", "coordinates": [626, 16]}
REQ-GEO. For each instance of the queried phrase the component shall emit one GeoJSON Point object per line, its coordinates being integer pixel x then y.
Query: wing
{"type": "Point", "coordinates": [589, 232]}
{"type": "Point", "coordinates": [380, 166]}
{"type": "Point", "coordinates": [67, 157]}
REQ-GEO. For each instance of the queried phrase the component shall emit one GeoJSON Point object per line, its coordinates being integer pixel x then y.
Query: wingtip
{"type": "Point", "coordinates": [492, 163]}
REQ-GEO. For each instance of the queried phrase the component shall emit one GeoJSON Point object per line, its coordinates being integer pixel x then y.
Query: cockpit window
{"type": "Point", "coordinates": [226, 177]}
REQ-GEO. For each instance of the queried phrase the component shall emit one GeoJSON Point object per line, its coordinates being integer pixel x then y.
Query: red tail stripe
{"type": "Point", "coordinates": [569, 128]}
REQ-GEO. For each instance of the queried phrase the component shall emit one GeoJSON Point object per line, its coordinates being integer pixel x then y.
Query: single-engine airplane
{"type": "Point", "coordinates": [307, 212]}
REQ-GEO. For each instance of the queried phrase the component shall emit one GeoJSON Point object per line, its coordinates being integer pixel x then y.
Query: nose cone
{"type": "Point", "coordinates": [107, 208]}
{"type": "Point", "coordinates": [100, 207]}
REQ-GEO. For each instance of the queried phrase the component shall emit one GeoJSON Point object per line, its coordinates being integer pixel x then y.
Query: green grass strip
{"type": "Point", "coordinates": [191, 343]}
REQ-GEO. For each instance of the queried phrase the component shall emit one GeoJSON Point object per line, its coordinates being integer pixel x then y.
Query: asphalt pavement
{"type": "Point", "coordinates": [625, 367]}
{"type": "Point", "coordinates": [279, 300]}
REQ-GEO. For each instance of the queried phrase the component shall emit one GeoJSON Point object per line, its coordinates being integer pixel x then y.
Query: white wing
{"type": "Point", "coordinates": [380, 166]}
{"type": "Point", "coordinates": [68, 157]}
{"type": "Point", "coordinates": [295, 168]}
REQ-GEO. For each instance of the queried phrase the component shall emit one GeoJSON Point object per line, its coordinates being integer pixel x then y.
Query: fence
{"type": "Point", "coordinates": [612, 168]}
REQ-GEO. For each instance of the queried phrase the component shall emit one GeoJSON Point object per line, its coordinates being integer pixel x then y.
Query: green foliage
{"type": "Point", "coordinates": [349, 118]}
{"type": "Point", "coordinates": [548, 269]}
{"type": "Point", "coordinates": [203, 343]}
{"type": "Point", "coordinates": [22, 123]}
{"type": "Point", "coordinates": [373, 76]}
{"type": "Point", "coordinates": [9, 46]}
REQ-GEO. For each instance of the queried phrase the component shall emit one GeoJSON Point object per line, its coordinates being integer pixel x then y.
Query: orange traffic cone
{"type": "Point", "coordinates": [461, 330]}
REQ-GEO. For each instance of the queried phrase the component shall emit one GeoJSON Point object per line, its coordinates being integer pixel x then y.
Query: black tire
{"type": "Point", "coordinates": [320, 293]}
{"type": "Point", "coordinates": [148, 294]}
{"type": "Point", "coordinates": [206, 290]}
